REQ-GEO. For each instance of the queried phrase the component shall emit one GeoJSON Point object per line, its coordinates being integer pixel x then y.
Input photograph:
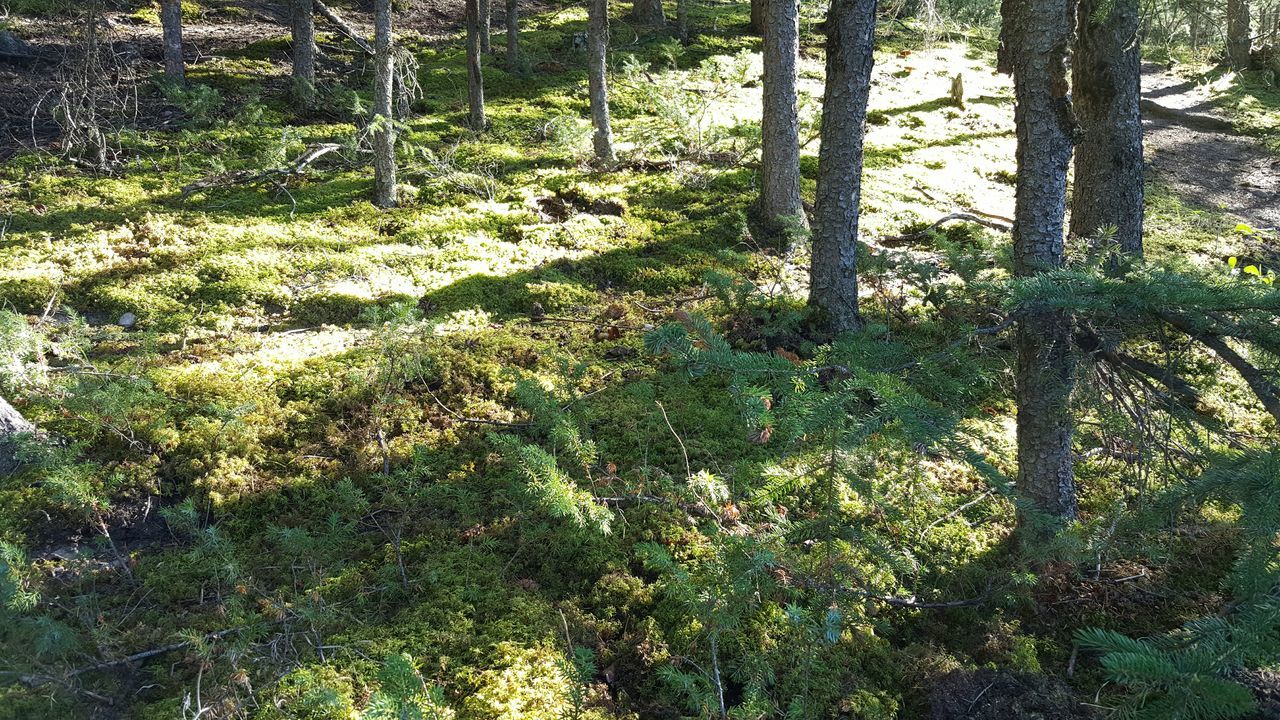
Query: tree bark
{"type": "Point", "coordinates": [303, 29]}
{"type": "Point", "coordinates": [597, 79]}
{"type": "Point", "coordinates": [475, 73]}
{"type": "Point", "coordinates": [648, 13]}
{"type": "Point", "coordinates": [486, 25]}
{"type": "Point", "coordinates": [384, 136]}
{"type": "Point", "coordinates": [1239, 42]}
{"type": "Point", "coordinates": [833, 271]}
{"type": "Point", "coordinates": [1036, 37]}
{"type": "Point", "coordinates": [758, 9]}
{"type": "Point", "coordinates": [1106, 91]}
{"type": "Point", "coordinates": [171, 23]}
{"type": "Point", "coordinates": [780, 122]}
{"type": "Point", "coordinates": [12, 424]}
{"type": "Point", "coordinates": [682, 20]}
{"type": "Point", "coordinates": [513, 35]}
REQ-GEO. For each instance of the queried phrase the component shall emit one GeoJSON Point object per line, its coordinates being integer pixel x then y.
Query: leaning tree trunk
{"type": "Point", "coordinates": [1239, 41]}
{"type": "Point", "coordinates": [648, 12]}
{"type": "Point", "coordinates": [780, 123]}
{"type": "Point", "coordinates": [475, 74]}
{"type": "Point", "coordinates": [384, 135]}
{"type": "Point", "coordinates": [12, 424]}
{"type": "Point", "coordinates": [171, 23]}
{"type": "Point", "coordinates": [1036, 41]}
{"type": "Point", "coordinates": [513, 35]}
{"type": "Point", "coordinates": [303, 28]}
{"type": "Point", "coordinates": [486, 25]}
{"type": "Point", "coordinates": [1106, 88]}
{"type": "Point", "coordinates": [833, 271]}
{"type": "Point", "coordinates": [597, 80]}
{"type": "Point", "coordinates": [758, 9]}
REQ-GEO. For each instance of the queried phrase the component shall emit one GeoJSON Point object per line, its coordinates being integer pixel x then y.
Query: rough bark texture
{"type": "Point", "coordinates": [303, 28]}
{"type": "Point", "coordinates": [486, 25]}
{"type": "Point", "coordinates": [682, 20]}
{"type": "Point", "coordinates": [475, 73]}
{"type": "Point", "coordinates": [1238, 38]}
{"type": "Point", "coordinates": [833, 272]}
{"type": "Point", "coordinates": [384, 137]}
{"type": "Point", "coordinates": [758, 9]}
{"type": "Point", "coordinates": [11, 424]}
{"type": "Point", "coordinates": [513, 34]}
{"type": "Point", "coordinates": [597, 81]}
{"type": "Point", "coordinates": [171, 22]}
{"type": "Point", "coordinates": [1106, 91]}
{"type": "Point", "coordinates": [648, 12]}
{"type": "Point", "coordinates": [780, 123]}
{"type": "Point", "coordinates": [1036, 35]}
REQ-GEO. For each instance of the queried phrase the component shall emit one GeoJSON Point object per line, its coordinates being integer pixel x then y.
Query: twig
{"type": "Point", "coordinates": [688, 470]}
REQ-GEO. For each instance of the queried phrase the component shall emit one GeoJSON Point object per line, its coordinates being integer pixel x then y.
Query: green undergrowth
{"type": "Point", "coordinates": [547, 440]}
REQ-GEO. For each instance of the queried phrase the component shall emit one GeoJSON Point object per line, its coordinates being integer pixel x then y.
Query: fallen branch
{"type": "Point", "coordinates": [984, 219]}
{"type": "Point", "coordinates": [272, 176]}
{"type": "Point", "coordinates": [343, 27]}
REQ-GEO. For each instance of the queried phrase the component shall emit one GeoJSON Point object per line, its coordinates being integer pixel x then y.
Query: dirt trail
{"type": "Point", "coordinates": [1189, 152]}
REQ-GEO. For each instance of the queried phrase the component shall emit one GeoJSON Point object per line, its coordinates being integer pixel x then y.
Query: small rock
{"type": "Point", "coordinates": [127, 320]}
{"type": "Point", "coordinates": [619, 352]}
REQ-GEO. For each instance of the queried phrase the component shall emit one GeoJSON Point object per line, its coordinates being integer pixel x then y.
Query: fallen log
{"type": "Point", "coordinates": [343, 27]}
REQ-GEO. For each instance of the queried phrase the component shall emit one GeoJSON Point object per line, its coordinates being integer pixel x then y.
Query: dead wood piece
{"type": "Point", "coordinates": [984, 219]}
{"type": "Point", "coordinates": [246, 177]}
{"type": "Point", "coordinates": [342, 26]}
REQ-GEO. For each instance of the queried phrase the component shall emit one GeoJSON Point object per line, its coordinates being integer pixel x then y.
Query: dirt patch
{"type": "Point", "coordinates": [1003, 695]}
{"type": "Point", "coordinates": [1211, 169]}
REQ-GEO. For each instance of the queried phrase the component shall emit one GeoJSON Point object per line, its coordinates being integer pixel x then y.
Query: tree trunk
{"type": "Point", "coordinates": [12, 424]}
{"type": "Point", "coordinates": [682, 20]}
{"type": "Point", "coordinates": [475, 74]}
{"type": "Point", "coordinates": [1036, 36]}
{"type": "Point", "coordinates": [1238, 39]}
{"type": "Point", "coordinates": [833, 271]}
{"type": "Point", "coordinates": [171, 22]}
{"type": "Point", "coordinates": [303, 28]}
{"type": "Point", "coordinates": [513, 35]}
{"type": "Point", "coordinates": [486, 25]}
{"type": "Point", "coordinates": [780, 123]}
{"type": "Point", "coordinates": [384, 136]}
{"type": "Point", "coordinates": [648, 13]}
{"type": "Point", "coordinates": [758, 8]}
{"type": "Point", "coordinates": [1106, 90]}
{"type": "Point", "coordinates": [597, 80]}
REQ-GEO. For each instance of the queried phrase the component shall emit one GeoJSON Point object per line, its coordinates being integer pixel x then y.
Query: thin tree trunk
{"type": "Point", "coordinates": [1036, 37]}
{"type": "Point", "coordinates": [384, 136]}
{"type": "Point", "coordinates": [1238, 39]}
{"type": "Point", "coordinates": [1106, 89]}
{"type": "Point", "coordinates": [682, 20]}
{"type": "Point", "coordinates": [833, 271]}
{"type": "Point", "coordinates": [486, 25]}
{"type": "Point", "coordinates": [171, 23]}
{"type": "Point", "coordinates": [648, 13]}
{"type": "Point", "coordinates": [513, 35]}
{"type": "Point", "coordinates": [12, 424]}
{"type": "Point", "coordinates": [758, 9]}
{"type": "Point", "coordinates": [597, 80]}
{"type": "Point", "coordinates": [780, 123]}
{"type": "Point", "coordinates": [303, 29]}
{"type": "Point", "coordinates": [475, 74]}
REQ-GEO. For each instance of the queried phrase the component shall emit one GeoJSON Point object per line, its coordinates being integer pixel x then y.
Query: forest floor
{"type": "Point", "coordinates": [299, 430]}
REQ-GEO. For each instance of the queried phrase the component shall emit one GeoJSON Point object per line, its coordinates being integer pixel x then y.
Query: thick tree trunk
{"type": "Point", "coordinates": [12, 424]}
{"type": "Point", "coordinates": [475, 73]}
{"type": "Point", "coordinates": [1107, 74]}
{"type": "Point", "coordinates": [384, 136]}
{"type": "Point", "coordinates": [485, 15]}
{"type": "Point", "coordinates": [171, 22]}
{"type": "Point", "coordinates": [1036, 37]}
{"type": "Point", "coordinates": [303, 28]}
{"type": "Point", "coordinates": [758, 9]}
{"type": "Point", "coordinates": [780, 123]}
{"type": "Point", "coordinates": [1238, 39]}
{"type": "Point", "coordinates": [513, 35]}
{"type": "Point", "coordinates": [648, 12]}
{"type": "Point", "coordinates": [833, 272]}
{"type": "Point", "coordinates": [597, 79]}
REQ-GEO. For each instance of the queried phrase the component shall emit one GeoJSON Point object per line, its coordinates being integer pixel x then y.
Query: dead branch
{"type": "Point", "coordinates": [272, 176]}
{"type": "Point", "coordinates": [343, 28]}
{"type": "Point", "coordinates": [984, 219]}
{"type": "Point", "coordinates": [1262, 386]}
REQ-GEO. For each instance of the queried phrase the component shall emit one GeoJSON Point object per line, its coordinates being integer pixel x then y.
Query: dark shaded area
{"type": "Point", "coordinates": [1003, 695]}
